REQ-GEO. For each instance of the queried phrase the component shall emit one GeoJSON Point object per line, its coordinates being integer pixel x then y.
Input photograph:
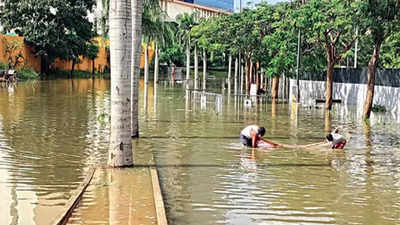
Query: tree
{"type": "Point", "coordinates": [276, 48]}
{"type": "Point", "coordinates": [50, 26]}
{"type": "Point", "coordinates": [390, 57]}
{"type": "Point", "coordinates": [329, 25]}
{"type": "Point", "coordinates": [381, 18]}
{"type": "Point", "coordinates": [185, 24]}
{"type": "Point", "coordinates": [202, 38]}
{"type": "Point", "coordinates": [137, 10]}
{"type": "Point", "coordinates": [11, 49]}
{"type": "Point", "coordinates": [120, 149]}
{"type": "Point", "coordinates": [92, 50]}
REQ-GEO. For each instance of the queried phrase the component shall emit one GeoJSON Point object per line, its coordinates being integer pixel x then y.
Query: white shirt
{"type": "Point", "coordinates": [337, 138]}
{"type": "Point", "coordinates": [246, 131]}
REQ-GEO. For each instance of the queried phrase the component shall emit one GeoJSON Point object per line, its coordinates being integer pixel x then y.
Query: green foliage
{"type": "Point", "coordinates": [378, 108]}
{"type": "Point", "coordinates": [155, 26]}
{"type": "Point", "coordinates": [27, 73]}
{"type": "Point", "coordinates": [185, 24]}
{"type": "Point", "coordinates": [77, 74]}
{"type": "Point", "coordinates": [92, 50]}
{"type": "Point", "coordinates": [268, 34]}
{"type": "Point", "coordinates": [383, 21]}
{"type": "Point", "coordinates": [55, 28]}
{"type": "Point", "coordinates": [279, 46]}
{"type": "Point", "coordinates": [329, 25]}
{"type": "Point", "coordinates": [390, 57]}
{"type": "Point", "coordinates": [172, 55]}
{"type": "Point", "coordinates": [3, 66]}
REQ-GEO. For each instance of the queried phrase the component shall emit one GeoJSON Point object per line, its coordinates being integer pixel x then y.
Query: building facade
{"type": "Point", "coordinates": [174, 8]}
{"type": "Point", "coordinates": [226, 5]}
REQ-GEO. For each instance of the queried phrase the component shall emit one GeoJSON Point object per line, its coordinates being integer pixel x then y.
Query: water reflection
{"type": "Point", "coordinates": [52, 131]}
{"type": "Point", "coordinates": [49, 135]}
{"type": "Point", "coordinates": [208, 178]}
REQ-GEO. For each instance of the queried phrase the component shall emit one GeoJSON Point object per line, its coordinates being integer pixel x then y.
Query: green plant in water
{"type": "Point", "coordinates": [378, 108]}
{"type": "Point", "coordinates": [27, 73]}
{"type": "Point", "coordinates": [3, 66]}
{"type": "Point", "coordinates": [104, 118]}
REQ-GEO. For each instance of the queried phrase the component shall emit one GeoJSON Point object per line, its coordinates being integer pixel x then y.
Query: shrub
{"type": "Point", "coordinates": [378, 108]}
{"type": "Point", "coordinates": [3, 66]}
{"type": "Point", "coordinates": [27, 73]}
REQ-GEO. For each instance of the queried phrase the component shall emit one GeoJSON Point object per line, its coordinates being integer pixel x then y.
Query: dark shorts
{"type": "Point", "coordinates": [246, 141]}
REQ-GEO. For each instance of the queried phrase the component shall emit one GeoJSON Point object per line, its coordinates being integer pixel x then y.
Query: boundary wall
{"type": "Point", "coordinates": [101, 63]}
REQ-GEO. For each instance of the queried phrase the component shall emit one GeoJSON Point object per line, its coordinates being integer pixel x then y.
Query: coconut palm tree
{"type": "Point", "coordinates": [120, 149]}
{"type": "Point", "coordinates": [137, 19]}
{"type": "Point", "coordinates": [156, 29]}
{"type": "Point", "coordinates": [185, 24]}
{"type": "Point", "coordinates": [137, 10]}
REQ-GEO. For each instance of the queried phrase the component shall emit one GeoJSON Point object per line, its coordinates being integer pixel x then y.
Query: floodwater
{"type": "Point", "coordinates": [51, 132]}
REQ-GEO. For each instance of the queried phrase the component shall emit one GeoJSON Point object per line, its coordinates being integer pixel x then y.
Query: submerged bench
{"type": "Point", "coordinates": [323, 101]}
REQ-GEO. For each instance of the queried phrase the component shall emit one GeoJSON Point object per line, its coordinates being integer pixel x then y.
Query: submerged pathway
{"type": "Point", "coordinates": [122, 196]}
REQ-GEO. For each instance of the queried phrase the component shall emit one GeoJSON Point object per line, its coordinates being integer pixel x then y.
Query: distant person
{"type": "Point", "coordinates": [251, 136]}
{"type": "Point", "coordinates": [173, 73]}
{"type": "Point", "coordinates": [336, 140]}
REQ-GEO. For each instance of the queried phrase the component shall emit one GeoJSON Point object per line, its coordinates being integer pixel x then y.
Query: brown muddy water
{"type": "Point", "coordinates": [51, 132]}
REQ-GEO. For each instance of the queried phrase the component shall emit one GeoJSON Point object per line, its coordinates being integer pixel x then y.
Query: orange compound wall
{"type": "Point", "coordinates": [101, 62]}
{"type": "Point", "coordinates": [150, 52]}
{"type": "Point", "coordinates": [26, 51]}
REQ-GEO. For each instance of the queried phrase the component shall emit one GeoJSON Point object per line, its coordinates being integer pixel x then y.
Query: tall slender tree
{"type": "Point", "coordinates": [382, 19]}
{"type": "Point", "coordinates": [120, 149]}
{"type": "Point", "coordinates": [137, 10]}
{"type": "Point", "coordinates": [185, 24]}
{"type": "Point", "coordinates": [329, 25]}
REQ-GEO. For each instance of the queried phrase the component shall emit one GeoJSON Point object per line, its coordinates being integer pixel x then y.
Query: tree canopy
{"type": "Point", "coordinates": [55, 28]}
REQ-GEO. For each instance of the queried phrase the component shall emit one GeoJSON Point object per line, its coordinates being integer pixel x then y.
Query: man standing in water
{"type": "Point", "coordinates": [252, 135]}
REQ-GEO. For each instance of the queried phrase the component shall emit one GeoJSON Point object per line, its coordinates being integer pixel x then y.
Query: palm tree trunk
{"type": "Point", "coordinates": [229, 73]}
{"type": "Point", "coordinates": [196, 69]}
{"type": "Point", "coordinates": [204, 69]}
{"type": "Point", "coordinates": [156, 65]}
{"type": "Point", "coordinates": [120, 149]}
{"type": "Point", "coordinates": [236, 75]}
{"type": "Point", "coordinates": [146, 64]}
{"type": "Point", "coordinates": [241, 77]}
{"type": "Point", "coordinates": [371, 81]}
{"type": "Point", "coordinates": [258, 75]}
{"type": "Point", "coordinates": [262, 78]}
{"type": "Point", "coordinates": [137, 9]}
{"type": "Point", "coordinates": [187, 61]}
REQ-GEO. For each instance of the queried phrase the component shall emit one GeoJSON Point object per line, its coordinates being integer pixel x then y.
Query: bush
{"type": "Point", "coordinates": [85, 74]}
{"type": "Point", "coordinates": [27, 73]}
{"type": "Point", "coordinates": [57, 73]}
{"type": "Point", "coordinates": [378, 108]}
{"type": "Point", "coordinates": [3, 66]}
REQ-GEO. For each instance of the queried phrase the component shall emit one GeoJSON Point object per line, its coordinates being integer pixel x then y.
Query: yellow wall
{"type": "Point", "coordinates": [86, 64]}
{"type": "Point", "coordinates": [27, 52]}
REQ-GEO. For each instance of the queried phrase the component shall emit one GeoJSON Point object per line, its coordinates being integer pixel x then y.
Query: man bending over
{"type": "Point", "coordinates": [252, 135]}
